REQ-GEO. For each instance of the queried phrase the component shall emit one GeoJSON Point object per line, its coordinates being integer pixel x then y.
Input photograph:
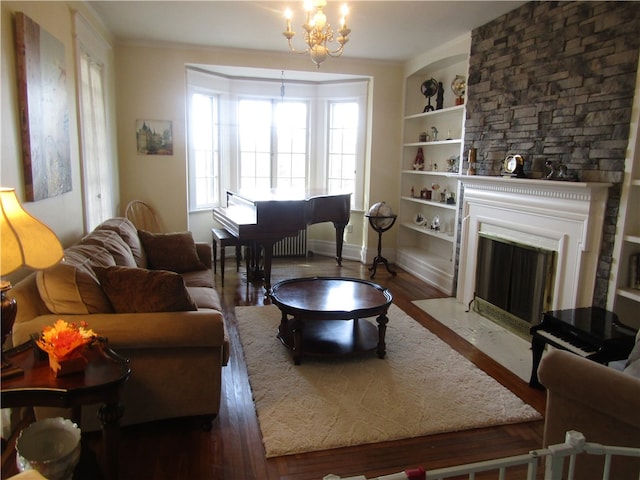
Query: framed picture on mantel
{"type": "Point", "coordinates": [44, 110]}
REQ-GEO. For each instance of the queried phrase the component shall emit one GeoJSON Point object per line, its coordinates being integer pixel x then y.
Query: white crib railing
{"type": "Point", "coordinates": [554, 458]}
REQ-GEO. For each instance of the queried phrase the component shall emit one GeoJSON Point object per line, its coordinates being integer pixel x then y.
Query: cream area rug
{"type": "Point", "coordinates": [422, 387]}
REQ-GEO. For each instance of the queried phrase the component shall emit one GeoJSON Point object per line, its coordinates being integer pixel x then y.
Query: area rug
{"type": "Point", "coordinates": [505, 347]}
{"type": "Point", "coordinates": [422, 387]}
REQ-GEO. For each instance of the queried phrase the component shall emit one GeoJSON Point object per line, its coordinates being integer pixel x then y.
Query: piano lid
{"type": "Point", "coordinates": [283, 194]}
{"type": "Point", "coordinates": [594, 320]}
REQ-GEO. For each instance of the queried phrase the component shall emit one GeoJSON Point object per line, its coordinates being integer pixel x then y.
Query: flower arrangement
{"type": "Point", "coordinates": [65, 343]}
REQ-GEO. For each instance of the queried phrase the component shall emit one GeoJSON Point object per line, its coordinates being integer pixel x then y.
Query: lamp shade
{"type": "Point", "coordinates": [24, 240]}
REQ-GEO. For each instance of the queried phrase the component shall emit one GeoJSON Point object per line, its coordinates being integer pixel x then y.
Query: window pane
{"type": "Point", "coordinates": [291, 131]}
{"type": "Point", "coordinates": [204, 126]}
{"type": "Point", "coordinates": [343, 130]}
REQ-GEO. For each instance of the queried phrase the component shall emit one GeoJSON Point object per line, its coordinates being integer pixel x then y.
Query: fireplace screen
{"type": "Point", "coordinates": [513, 277]}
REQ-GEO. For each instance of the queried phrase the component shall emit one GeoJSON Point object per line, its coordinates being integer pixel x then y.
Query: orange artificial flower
{"type": "Point", "coordinates": [63, 340]}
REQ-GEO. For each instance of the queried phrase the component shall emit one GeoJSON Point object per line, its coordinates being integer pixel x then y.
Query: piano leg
{"type": "Point", "coordinates": [537, 348]}
{"type": "Point", "coordinates": [339, 240]}
{"type": "Point", "coordinates": [268, 256]}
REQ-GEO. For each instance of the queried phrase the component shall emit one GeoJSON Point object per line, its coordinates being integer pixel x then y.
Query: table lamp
{"type": "Point", "coordinates": [24, 241]}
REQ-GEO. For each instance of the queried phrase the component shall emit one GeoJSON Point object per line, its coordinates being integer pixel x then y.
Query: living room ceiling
{"type": "Point", "coordinates": [381, 30]}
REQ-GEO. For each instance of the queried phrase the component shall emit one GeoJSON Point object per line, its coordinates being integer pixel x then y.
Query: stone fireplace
{"type": "Point", "coordinates": [564, 219]}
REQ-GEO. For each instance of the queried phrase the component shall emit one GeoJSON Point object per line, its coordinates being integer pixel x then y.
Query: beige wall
{"type": "Point", "coordinates": [64, 213]}
{"type": "Point", "coordinates": [151, 84]}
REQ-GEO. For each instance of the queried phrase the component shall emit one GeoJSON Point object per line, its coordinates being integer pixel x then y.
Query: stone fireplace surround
{"type": "Point", "coordinates": [564, 217]}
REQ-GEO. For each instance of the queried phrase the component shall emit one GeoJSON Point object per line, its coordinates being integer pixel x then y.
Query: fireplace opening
{"type": "Point", "coordinates": [513, 282]}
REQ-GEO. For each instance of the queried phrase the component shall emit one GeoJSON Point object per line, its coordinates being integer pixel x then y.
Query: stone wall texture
{"type": "Point", "coordinates": [554, 81]}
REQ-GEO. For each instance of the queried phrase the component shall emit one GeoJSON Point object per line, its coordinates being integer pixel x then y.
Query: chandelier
{"type": "Point", "coordinates": [317, 32]}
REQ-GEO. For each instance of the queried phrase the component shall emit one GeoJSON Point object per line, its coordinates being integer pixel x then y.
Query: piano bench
{"type": "Point", "coordinates": [225, 239]}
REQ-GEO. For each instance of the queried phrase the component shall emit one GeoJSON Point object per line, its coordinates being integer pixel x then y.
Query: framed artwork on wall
{"type": "Point", "coordinates": [44, 110]}
{"type": "Point", "coordinates": [154, 137]}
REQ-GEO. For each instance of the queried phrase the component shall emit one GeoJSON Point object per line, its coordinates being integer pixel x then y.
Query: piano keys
{"type": "Point", "coordinates": [265, 217]}
{"type": "Point", "coordinates": [591, 332]}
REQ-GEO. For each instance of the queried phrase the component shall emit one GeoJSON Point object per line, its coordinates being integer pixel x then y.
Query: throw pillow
{"type": "Point", "coordinates": [138, 290]}
{"type": "Point", "coordinates": [123, 227]}
{"type": "Point", "coordinates": [117, 247]}
{"type": "Point", "coordinates": [175, 252]}
{"type": "Point", "coordinates": [71, 286]}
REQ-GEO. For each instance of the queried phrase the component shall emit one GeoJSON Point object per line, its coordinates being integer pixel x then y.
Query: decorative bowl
{"type": "Point", "coordinates": [50, 446]}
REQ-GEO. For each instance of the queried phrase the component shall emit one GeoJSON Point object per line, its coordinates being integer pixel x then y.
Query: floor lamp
{"type": "Point", "coordinates": [24, 241]}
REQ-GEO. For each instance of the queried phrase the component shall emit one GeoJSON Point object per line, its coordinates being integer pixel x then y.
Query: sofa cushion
{"type": "Point", "coordinates": [138, 290]}
{"type": "Point", "coordinates": [71, 286]}
{"type": "Point", "coordinates": [175, 252]}
{"type": "Point", "coordinates": [199, 278]}
{"type": "Point", "coordinates": [205, 297]}
{"type": "Point", "coordinates": [114, 244]}
{"type": "Point", "coordinates": [123, 227]}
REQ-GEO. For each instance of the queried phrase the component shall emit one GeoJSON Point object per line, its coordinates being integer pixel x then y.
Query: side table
{"type": "Point", "coordinates": [101, 382]}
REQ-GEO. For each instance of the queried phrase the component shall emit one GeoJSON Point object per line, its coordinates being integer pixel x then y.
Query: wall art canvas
{"type": "Point", "coordinates": [44, 110]}
{"type": "Point", "coordinates": [154, 137]}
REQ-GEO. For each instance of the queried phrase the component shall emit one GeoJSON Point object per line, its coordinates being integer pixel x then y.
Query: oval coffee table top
{"type": "Point", "coordinates": [331, 297]}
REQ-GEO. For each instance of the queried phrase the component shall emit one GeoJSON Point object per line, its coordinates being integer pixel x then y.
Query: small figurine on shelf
{"type": "Point", "coordinates": [413, 191]}
{"type": "Point", "coordinates": [451, 164]}
{"type": "Point", "coordinates": [423, 137]}
{"type": "Point", "coordinates": [435, 224]}
{"type": "Point", "coordinates": [418, 163]}
{"type": "Point", "coordinates": [451, 199]}
{"type": "Point", "coordinates": [443, 195]}
{"type": "Point", "coordinates": [440, 97]}
{"type": "Point", "coordinates": [434, 132]}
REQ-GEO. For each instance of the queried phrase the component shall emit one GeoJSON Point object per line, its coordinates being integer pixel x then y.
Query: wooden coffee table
{"type": "Point", "coordinates": [326, 316]}
{"type": "Point", "coordinates": [100, 383]}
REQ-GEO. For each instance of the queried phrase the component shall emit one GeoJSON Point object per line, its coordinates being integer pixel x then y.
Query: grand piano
{"type": "Point", "coordinates": [265, 217]}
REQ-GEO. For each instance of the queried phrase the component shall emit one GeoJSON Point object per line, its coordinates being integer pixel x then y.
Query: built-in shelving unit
{"type": "Point", "coordinates": [623, 299]}
{"type": "Point", "coordinates": [422, 250]}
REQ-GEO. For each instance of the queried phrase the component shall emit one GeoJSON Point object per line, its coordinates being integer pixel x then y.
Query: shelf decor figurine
{"type": "Point", "coordinates": [458, 87]}
{"type": "Point", "coordinates": [418, 163]}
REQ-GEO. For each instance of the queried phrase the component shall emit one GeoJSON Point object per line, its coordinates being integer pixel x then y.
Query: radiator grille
{"type": "Point", "coordinates": [292, 246]}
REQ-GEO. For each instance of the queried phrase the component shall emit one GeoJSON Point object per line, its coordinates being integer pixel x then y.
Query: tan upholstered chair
{"type": "Point", "coordinates": [143, 216]}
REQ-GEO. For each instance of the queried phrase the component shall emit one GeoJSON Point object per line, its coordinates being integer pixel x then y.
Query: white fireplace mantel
{"type": "Point", "coordinates": [564, 217]}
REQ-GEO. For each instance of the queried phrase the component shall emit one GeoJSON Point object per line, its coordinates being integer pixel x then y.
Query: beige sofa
{"type": "Point", "coordinates": [120, 283]}
{"type": "Point", "coordinates": [599, 401]}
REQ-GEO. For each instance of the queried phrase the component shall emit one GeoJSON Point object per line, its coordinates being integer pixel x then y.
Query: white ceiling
{"type": "Point", "coordinates": [381, 30]}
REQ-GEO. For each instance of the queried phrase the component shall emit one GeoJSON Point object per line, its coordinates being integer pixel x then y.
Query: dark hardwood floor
{"type": "Point", "coordinates": [179, 449]}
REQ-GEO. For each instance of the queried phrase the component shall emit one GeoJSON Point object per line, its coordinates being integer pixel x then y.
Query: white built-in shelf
{"type": "Point", "coordinates": [433, 142]}
{"type": "Point", "coordinates": [431, 172]}
{"type": "Point", "coordinates": [425, 230]}
{"type": "Point", "coordinates": [632, 239]}
{"type": "Point", "coordinates": [431, 203]}
{"type": "Point", "coordinates": [442, 111]}
{"type": "Point", "coordinates": [630, 293]}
